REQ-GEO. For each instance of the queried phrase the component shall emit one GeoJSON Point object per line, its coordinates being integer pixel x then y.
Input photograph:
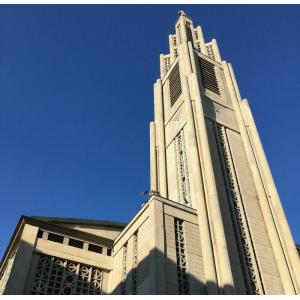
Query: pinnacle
{"type": "Point", "coordinates": [181, 13]}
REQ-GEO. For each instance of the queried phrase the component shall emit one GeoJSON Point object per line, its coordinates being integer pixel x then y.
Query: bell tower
{"type": "Point", "coordinates": [205, 153]}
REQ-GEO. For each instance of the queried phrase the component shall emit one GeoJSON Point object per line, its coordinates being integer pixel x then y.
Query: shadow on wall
{"type": "Point", "coordinates": [155, 274]}
{"type": "Point", "coordinates": [169, 277]}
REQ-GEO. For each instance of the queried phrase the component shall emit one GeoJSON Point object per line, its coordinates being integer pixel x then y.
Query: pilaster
{"type": "Point", "coordinates": [160, 133]}
{"type": "Point", "coordinates": [203, 219]}
{"type": "Point", "coordinates": [157, 248]}
{"type": "Point", "coordinates": [153, 160]}
{"type": "Point", "coordinates": [224, 274]}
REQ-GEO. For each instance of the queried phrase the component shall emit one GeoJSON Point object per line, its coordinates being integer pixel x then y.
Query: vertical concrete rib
{"type": "Point", "coordinates": [214, 212]}
{"type": "Point", "coordinates": [160, 132]}
{"type": "Point", "coordinates": [206, 243]}
{"type": "Point", "coordinates": [153, 162]}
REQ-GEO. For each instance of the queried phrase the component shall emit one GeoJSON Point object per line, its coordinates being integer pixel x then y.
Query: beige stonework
{"type": "Point", "coordinates": [213, 223]}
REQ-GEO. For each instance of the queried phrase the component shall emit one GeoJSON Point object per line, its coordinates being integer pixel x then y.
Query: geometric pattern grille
{"type": "Point", "coordinates": [208, 75]}
{"type": "Point", "coordinates": [167, 63]}
{"type": "Point", "coordinates": [56, 276]}
{"type": "Point", "coordinates": [182, 276]}
{"type": "Point", "coordinates": [210, 52]}
{"type": "Point", "coordinates": [182, 173]}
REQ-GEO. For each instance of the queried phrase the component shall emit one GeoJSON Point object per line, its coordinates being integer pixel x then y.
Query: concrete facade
{"type": "Point", "coordinates": [213, 224]}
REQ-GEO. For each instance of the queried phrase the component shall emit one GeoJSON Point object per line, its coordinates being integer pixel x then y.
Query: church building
{"type": "Point", "coordinates": [213, 223]}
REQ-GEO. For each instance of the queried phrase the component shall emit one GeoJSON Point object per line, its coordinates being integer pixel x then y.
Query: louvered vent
{"type": "Point", "coordinates": [208, 75]}
{"type": "Point", "coordinates": [175, 85]}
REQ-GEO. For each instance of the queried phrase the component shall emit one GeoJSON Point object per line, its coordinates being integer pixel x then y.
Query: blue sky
{"type": "Point", "coordinates": [76, 86]}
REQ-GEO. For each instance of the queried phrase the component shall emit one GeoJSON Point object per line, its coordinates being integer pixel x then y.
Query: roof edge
{"type": "Point", "coordinates": [12, 240]}
{"type": "Point", "coordinates": [81, 221]}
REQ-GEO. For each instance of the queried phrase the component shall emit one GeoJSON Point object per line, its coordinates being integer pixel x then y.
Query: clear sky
{"type": "Point", "coordinates": [76, 98]}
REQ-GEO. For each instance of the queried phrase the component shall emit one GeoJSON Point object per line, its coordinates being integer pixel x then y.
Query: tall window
{"type": "Point", "coordinates": [182, 173]}
{"type": "Point", "coordinates": [182, 276]}
{"type": "Point", "coordinates": [189, 32]}
{"type": "Point", "coordinates": [124, 270]}
{"type": "Point", "coordinates": [135, 263]}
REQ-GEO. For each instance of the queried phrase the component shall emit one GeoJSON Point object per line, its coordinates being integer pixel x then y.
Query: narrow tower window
{"type": "Point", "coordinates": [135, 263]}
{"type": "Point", "coordinates": [189, 32]}
{"type": "Point", "coordinates": [124, 270]}
{"type": "Point", "coordinates": [182, 276]}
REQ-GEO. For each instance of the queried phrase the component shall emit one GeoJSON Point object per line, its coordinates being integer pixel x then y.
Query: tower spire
{"type": "Point", "coordinates": [206, 159]}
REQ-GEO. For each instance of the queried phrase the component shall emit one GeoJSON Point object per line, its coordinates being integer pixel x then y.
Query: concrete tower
{"type": "Point", "coordinates": [206, 154]}
{"type": "Point", "coordinates": [213, 223]}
